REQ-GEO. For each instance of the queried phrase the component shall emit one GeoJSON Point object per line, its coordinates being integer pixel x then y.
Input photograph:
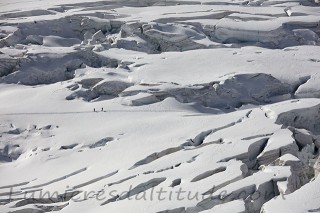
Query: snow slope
{"type": "Point", "coordinates": [159, 106]}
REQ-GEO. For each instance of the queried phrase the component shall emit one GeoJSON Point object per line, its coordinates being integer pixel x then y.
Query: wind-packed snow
{"type": "Point", "coordinates": [176, 106]}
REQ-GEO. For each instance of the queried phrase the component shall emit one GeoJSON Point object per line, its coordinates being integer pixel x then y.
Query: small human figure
{"type": "Point", "coordinates": [102, 109]}
{"type": "Point", "coordinates": [94, 109]}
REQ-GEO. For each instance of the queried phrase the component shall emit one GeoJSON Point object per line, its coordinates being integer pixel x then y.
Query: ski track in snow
{"type": "Point", "coordinates": [104, 104]}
